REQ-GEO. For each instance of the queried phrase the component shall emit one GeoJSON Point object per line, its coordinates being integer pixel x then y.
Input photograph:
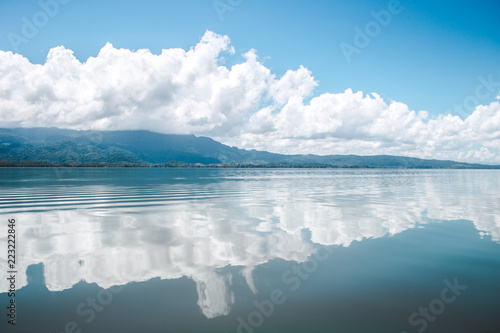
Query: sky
{"type": "Point", "coordinates": [413, 78]}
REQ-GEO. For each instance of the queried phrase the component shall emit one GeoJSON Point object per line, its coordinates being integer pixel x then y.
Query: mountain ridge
{"type": "Point", "coordinates": [143, 148]}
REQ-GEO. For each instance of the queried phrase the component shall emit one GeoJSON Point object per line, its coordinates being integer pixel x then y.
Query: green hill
{"type": "Point", "coordinates": [71, 147]}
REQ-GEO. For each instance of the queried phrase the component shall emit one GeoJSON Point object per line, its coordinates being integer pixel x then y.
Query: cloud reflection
{"type": "Point", "coordinates": [250, 219]}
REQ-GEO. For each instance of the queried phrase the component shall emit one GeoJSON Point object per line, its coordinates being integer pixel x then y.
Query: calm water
{"type": "Point", "coordinates": [239, 250]}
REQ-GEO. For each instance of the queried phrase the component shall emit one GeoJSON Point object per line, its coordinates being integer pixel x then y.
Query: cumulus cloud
{"type": "Point", "coordinates": [246, 105]}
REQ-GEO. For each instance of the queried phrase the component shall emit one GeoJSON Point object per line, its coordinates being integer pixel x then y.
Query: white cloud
{"type": "Point", "coordinates": [192, 92]}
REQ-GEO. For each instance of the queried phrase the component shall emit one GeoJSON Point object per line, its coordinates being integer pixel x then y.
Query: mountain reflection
{"type": "Point", "coordinates": [192, 223]}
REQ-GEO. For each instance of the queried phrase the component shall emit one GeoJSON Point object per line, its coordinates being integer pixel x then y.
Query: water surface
{"type": "Point", "coordinates": [253, 250]}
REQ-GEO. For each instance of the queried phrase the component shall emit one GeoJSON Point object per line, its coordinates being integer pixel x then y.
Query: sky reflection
{"type": "Point", "coordinates": [93, 226]}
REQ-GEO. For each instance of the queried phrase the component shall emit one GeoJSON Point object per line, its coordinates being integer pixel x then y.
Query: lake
{"type": "Point", "coordinates": [250, 250]}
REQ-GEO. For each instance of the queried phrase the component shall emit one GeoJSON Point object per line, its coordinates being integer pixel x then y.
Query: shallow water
{"type": "Point", "coordinates": [252, 250]}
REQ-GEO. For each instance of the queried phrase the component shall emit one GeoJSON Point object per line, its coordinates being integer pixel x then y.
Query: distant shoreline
{"type": "Point", "coordinates": [178, 165]}
{"type": "Point", "coordinates": [173, 164]}
{"type": "Point", "coordinates": [52, 147]}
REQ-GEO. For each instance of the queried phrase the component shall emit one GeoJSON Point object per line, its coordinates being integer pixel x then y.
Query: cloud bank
{"type": "Point", "coordinates": [193, 92]}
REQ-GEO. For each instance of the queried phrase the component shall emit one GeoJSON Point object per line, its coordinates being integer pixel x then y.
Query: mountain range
{"type": "Point", "coordinates": [52, 146]}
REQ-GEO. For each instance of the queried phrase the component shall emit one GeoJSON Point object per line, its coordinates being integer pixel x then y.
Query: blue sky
{"type": "Point", "coordinates": [430, 55]}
